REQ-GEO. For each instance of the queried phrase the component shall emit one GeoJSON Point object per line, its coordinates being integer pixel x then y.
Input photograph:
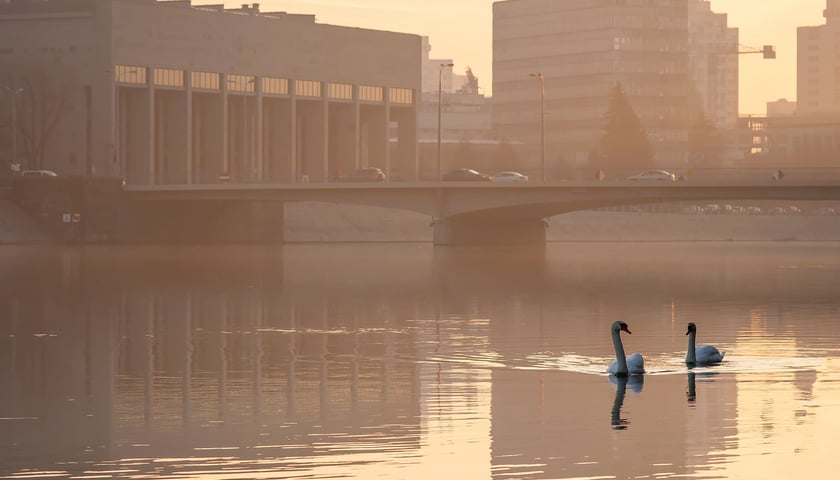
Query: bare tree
{"type": "Point", "coordinates": [45, 98]}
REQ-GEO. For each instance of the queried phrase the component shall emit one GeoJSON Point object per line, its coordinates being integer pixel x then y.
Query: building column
{"type": "Point", "coordinates": [258, 126]}
{"type": "Point", "coordinates": [188, 150]}
{"type": "Point", "coordinates": [325, 129]}
{"type": "Point", "coordinates": [150, 110]}
{"type": "Point", "coordinates": [223, 80]}
{"type": "Point", "coordinates": [386, 98]}
{"type": "Point", "coordinates": [357, 107]}
{"type": "Point", "coordinates": [489, 231]}
{"type": "Point", "coordinates": [293, 159]}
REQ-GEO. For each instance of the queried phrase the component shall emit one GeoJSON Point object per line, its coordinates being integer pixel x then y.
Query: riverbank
{"type": "Point", "coordinates": [315, 222]}
{"type": "Point", "coordinates": [328, 223]}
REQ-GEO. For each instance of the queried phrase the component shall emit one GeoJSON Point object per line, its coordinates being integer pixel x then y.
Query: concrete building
{"type": "Point", "coordinates": [818, 65]}
{"type": "Point", "coordinates": [583, 48]}
{"type": "Point", "coordinates": [713, 63]}
{"type": "Point", "coordinates": [164, 92]}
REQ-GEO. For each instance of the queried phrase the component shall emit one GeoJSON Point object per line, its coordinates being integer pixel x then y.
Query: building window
{"type": "Point", "coordinates": [404, 96]}
{"type": "Point", "coordinates": [370, 94]}
{"type": "Point", "coordinates": [341, 91]}
{"type": "Point", "coordinates": [241, 83]}
{"type": "Point", "coordinates": [130, 74]}
{"type": "Point", "coordinates": [275, 86]}
{"type": "Point", "coordinates": [307, 88]}
{"type": "Point", "coordinates": [167, 77]}
{"type": "Point", "coordinates": [205, 80]}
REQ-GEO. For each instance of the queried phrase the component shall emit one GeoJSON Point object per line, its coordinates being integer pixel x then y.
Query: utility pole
{"type": "Point", "coordinates": [440, 109]}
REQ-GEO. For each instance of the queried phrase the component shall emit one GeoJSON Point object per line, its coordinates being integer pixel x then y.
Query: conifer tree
{"type": "Point", "coordinates": [625, 143]}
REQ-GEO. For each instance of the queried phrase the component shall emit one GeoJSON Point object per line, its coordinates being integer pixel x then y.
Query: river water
{"type": "Point", "coordinates": [405, 361]}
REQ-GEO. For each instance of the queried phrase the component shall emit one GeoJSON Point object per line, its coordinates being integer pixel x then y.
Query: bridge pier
{"type": "Point", "coordinates": [213, 222]}
{"type": "Point", "coordinates": [489, 231]}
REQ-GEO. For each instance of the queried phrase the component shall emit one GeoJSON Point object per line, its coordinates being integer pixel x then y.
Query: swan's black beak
{"type": "Point", "coordinates": [625, 329]}
{"type": "Point", "coordinates": [688, 331]}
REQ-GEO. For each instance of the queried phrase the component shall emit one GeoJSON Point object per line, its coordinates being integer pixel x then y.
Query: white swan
{"type": "Point", "coordinates": [622, 366]}
{"type": "Point", "coordinates": [703, 355]}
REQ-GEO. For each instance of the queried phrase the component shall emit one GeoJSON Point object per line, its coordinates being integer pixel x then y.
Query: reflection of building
{"type": "Point", "coordinates": [158, 365]}
{"type": "Point", "coordinates": [583, 49]}
{"type": "Point", "coordinates": [164, 92]}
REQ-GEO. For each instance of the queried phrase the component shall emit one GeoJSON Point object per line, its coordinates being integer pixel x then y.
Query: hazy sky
{"type": "Point", "coordinates": [463, 29]}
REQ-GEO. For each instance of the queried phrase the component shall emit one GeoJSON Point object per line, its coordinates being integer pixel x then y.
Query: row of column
{"type": "Point", "coordinates": [190, 136]}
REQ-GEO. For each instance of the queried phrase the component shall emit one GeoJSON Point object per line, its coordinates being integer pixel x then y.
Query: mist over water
{"type": "Point", "coordinates": [410, 361]}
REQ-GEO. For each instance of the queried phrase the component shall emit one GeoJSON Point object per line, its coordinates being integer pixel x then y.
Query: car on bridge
{"type": "Point", "coordinates": [464, 175]}
{"type": "Point", "coordinates": [368, 174]}
{"type": "Point", "coordinates": [38, 173]}
{"type": "Point", "coordinates": [654, 175]}
{"type": "Point", "coordinates": [509, 177]}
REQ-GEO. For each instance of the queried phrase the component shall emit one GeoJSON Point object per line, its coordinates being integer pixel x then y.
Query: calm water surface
{"type": "Point", "coordinates": [405, 361]}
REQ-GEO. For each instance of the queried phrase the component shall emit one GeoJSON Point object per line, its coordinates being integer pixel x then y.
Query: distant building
{"type": "Point", "coordinates": [804, 140]}
{"type": "Point", "coordinates": [171, 93]}
{"type": "Point", "coordinates": [818, 64]}
{"type": "Point", "coordinates": [781, 108]}
{"type": "Point", "coordinates": [466, 131]}
{"type": "Point", "coordinates": [807, 132]}
{"type": "Point", "coordinates": [434, 73]}
{"type": "Point", "coordinates": [713, 63]}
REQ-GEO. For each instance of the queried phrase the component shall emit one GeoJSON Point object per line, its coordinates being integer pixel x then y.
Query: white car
{"type": "Point", "coordinates": [654, 175]}
{"type": "Point", "coordinates": [509, 177]}
{"type": "Point", "coordinates": [38, 173]}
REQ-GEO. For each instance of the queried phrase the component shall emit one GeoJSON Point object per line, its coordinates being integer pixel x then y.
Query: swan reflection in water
{"type": "Point", "coordinates": [691, 393]}
{"type": "Point", "coordinates": [691, 390]}
{"type": "Point", "coordinates": [635, 383]}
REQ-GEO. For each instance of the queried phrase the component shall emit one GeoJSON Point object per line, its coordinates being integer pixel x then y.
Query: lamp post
{"type": "Point", "coordinates": [541, 77]}
{"type": "Point", "coordinates": [13, 93]}
{"type": "Point", "coordinates": [440, 108]}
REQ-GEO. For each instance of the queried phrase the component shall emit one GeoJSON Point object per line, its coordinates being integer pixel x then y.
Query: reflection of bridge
{"type": "Point", "coordinates": [463, 213]}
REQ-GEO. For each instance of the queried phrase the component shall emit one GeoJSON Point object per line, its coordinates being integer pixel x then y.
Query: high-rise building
{"type": "Point", "coordinates": [818, 64]}
{"type": "Point", "coordinates": [713, 62]}
{"type": "Point", "coordinates": [583, 48]}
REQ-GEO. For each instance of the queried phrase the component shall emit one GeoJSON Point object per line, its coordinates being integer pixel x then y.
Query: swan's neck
{"type": "Point", "coordinates": [619, 353]}
{"type": "Point", "coordinates": [691, 356]}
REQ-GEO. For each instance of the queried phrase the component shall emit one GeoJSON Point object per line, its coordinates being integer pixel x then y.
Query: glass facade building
{"type": "Point", "coordinates": [583, 48]}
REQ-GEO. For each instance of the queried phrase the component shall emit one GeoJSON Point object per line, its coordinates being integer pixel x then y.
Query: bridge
{"type": "Point", "coordinates": [462, 213]}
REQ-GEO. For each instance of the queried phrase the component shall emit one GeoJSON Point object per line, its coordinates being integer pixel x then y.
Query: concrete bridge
{"type": "Point", "coordinates": [462, 213]}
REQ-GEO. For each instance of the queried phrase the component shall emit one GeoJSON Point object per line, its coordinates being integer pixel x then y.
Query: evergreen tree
{"type": "Point", "coordinates": [625, 143]}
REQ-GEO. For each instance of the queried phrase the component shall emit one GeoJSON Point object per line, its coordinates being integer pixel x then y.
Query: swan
{"type": "Point", "coordinates": [623, 366]}
{"type": "Point", "coordinates": [703, 355]}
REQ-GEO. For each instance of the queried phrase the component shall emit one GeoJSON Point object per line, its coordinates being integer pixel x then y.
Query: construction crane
{"type": "Point", "coordinates": [768, 51]}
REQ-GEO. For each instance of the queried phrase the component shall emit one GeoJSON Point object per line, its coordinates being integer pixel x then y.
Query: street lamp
{"type": "Point", "coordinates": [440, 108]}
{"type": "Point", "coordinates": [13, 94]}
{"type": "Point", "coordinates": [542, 121]}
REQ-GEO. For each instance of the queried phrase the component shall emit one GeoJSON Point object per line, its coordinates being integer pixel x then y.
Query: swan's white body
{"type": "Point", "coordinates": [702, 355]}
{"type": "Point", "coordinates": [623, 365]}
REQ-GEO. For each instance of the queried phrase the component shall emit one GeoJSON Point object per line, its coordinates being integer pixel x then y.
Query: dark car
{"type": "Point", "coordinates": [465, 175]}
{"type": "Point", "coordinates": [369, 174]}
